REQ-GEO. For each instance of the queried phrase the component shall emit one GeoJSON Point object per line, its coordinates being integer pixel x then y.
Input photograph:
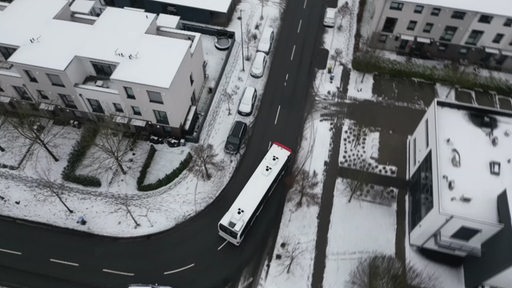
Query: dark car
{"type": "Point", "coordinates": [235, 137]}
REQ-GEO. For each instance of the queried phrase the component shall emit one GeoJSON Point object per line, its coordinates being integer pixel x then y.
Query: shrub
{"type": "Point", "coordinates": [169, 177]}
{"type": "Point", "coordinates": [76, 156]}
{"type": "Point", "coordinates": [145, 167]}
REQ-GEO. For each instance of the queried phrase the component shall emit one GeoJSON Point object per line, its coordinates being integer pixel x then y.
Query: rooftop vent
{"type": "Point", "coordinates": [267, 170]}
{"type": "Point", "coordinates": [451, 185]}
{"type": "Point", "coordinates": [464, 199]}
{"type": "Point", "coordinates": [495, 168]}
{"type": "Point", "coordinates": [494, 141]}
{"type": "Point", "coordinates": [455, 158]}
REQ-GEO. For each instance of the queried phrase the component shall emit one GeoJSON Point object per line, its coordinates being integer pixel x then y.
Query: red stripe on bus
{"type": "Point", "coordinates": [284, 147]}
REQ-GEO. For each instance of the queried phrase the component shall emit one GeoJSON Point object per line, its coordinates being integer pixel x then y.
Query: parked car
{"type": "Point", "coordinates": [247, 102]}
{"type": "Point", "coordinates": [329, 19]}
{"type": "Point", "coordinates": [235, 137]}
{"type": "Point", "coordinates": [258, 65]}
{"type": "Point", "coordinates": [267, 38]}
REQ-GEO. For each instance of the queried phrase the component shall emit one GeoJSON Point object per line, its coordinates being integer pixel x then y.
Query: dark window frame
{"type": "Point", "coordinates": [118, 107]}
{"type": "Point", "coordinates": [7, 52]}
{"type": "Point", "coordinates": [473, 37]}
{"type": "Point", "coordinates": [418, 9]}
{"type": "Point", "coordinates": [31, 77]}
{"type": "Point", "coordinates": [161, 117]}
{"type": "Point", "coordinates": [398, 6]}
{"type": "Point", "coordinates": [435, 11]}
{"type": "Point", "coordinates": [95, 106]}
{"type": "Point", "coordinates": [508, 22]}
{"type": "Point", "coordinates": [191, 78]}
{"type": "Point", "coordinates": [428, 27]}
{"type": "Point", "coordinates": [129, 92]}
{"type": "Point", "coordinates": [22, 92]}
{"type": "Point", "coordinates": [389, 24]}
{"type": "Point", "coordinates": [55, 80]}
{"type": "Point", "coordinates": [458, 15]}
{"type": "Point", "coordinates": [465, 233]}
{"type": "Point", "coordinates": [68, 101]}
{"type": "Point", "coordinates": [42, 94]}
{"type": "Point", "coordinates": [448, 33]}
{"type": "Point", "coordinates": [497, 38]}
{"type": "Point", "coordinates": [136, 110]}
{"type": "Point", "coordinates": [487, 19]}
{"type": "Point", "coordinates": [103, 69]}
{"type": "Point", "coordinates": [412, 25]}
{"type": "Point", "coordinates": [155, 97]}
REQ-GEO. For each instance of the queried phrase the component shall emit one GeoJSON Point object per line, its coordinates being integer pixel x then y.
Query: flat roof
{"type": "Point", "coordinates": [212, 5]}
{"type": "Point", "coordinates": [117, 37]}
{"type": "Point", "coordinates": [166, 20]}
{"type": "Point", "coordinates": [475, 189]}
{"type": "Point", "coordinates": [496, 7]}
{"type": "Point", "coordinates": [82, 6]}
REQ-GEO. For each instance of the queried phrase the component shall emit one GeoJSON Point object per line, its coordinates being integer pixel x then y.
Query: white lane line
{"type": "Point", "coordinates": [64, 262]}
{"type": "Point", "coordinates": [220, 247]}
{"type": "Point", "coordinates": [300, 24]}
{"type": "Point", "coordinates": [293, 51]}
{"type": "Point", "coordinates": [180, 269]}
{"type": "Point", "coordinates": [305, 2]}
{"type": "Point", "coordinates": [277, 114]}
{"type": "Point", "coordinates": [286, 76]}
{"type": "Point", "coordinates": [10, 251]}
{"type": "Point", "coordinates": [118, 272]}
{"type": "Point", "coordinates": [269, 144]}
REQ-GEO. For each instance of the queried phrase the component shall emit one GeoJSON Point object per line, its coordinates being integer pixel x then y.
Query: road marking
{"type": "Point", "coordinates": [277, 114]}
{"type": "Point", "coordinates": [118, 272]}
{"type": "Point", "coordinates": [64, 262]}
{"type": "Point", "coordinates": [249, 281]}
{"type": "Point", "coordinates": [300, 23]}
{"type": "Point", "coordinates": [305, 2]}
{"type": "Point", "coordinates": [293, 51]}
{"type": "Point", "coordinates": [180, 269]}
{"type": "Point", "coordinates": [286, 76]}
{"type": "Point", "coordinates": [10, 251]}
{"type": "Point", "coordinates": [269, 144]}
{"type": "Point", "coordinates": [220, 247]}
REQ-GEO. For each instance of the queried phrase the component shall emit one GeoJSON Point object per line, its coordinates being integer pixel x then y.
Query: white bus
{"type": "Point", "coordinates": [249, 202]}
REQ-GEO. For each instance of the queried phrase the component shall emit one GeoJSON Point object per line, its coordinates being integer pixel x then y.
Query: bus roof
{"type": "Point", "coordinates": [256, 187]}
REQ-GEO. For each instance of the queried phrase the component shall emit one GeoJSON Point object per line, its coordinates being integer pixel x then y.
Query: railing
{"type": "Point", "coordinates": [456, 247]}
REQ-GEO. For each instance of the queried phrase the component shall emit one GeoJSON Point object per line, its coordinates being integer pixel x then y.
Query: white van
{"type": "Point", "coordinates": [329, 17]}
{"type": "Point", "coordinates": [247, 102]}
{"type": "Point", "coordinates": [267, 38]}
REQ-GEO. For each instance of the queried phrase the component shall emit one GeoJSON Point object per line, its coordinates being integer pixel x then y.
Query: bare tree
{"type": "Point", "coordinates": [31, 129]}
{"type": "Point", "coordinates": [336, 57]}
{"type": "Point", "coordinates": [249, 37]}
{"type": "Point", "coordinates": [49, 184]}
{"type": "Point", "coordinates": [385, 271]}
{"type": "Point", "coordinates": [305, 183]}
{"type": "Point", "coordinates": [288, 254]}
{"type": "Point", "coordinates": [124, 202]}
{"type": "Point", "coordinates": [204, 158]}
{"type": "Point", "coordinates": [263, 4]}
{"type": "Point", "coordinates": [114, 146]}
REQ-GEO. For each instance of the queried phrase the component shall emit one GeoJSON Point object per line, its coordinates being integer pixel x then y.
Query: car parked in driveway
{"type": "Point", "coordinates": [247, 102]}
{"type": "Point", "coordinates": [267, 38]}
{"type": "Point", "coordinates": [329, 17]}
{"type": "Point", "coordinates": [258, 65]}
{"type": "Point", "coordinates": [235, 137]}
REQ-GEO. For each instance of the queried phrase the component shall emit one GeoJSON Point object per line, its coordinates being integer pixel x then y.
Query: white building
{"type": "Point", "coordinates": [125, 65]}
{"type": "Point", "coordinates": [477, 31]}
{"type": "Point", "coordinates": [460, 175]}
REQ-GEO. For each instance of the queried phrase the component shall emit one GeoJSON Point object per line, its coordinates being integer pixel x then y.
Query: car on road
{"type": "Point", "coordinates": [329, 17]}
{"type": "Point", "coordinates": [236, 137]}
{"type": "Point", "coordinates": [267, 38]}
{"type": "Point", "coordinates": [247, 102]}
{"type": "Point", "coordinates": [258, 65]}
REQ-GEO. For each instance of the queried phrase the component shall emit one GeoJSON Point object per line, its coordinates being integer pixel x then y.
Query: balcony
{"type": "Point", "coordinates": [95, 83]}
{"type": "Point", "coordinates": [456, 246]}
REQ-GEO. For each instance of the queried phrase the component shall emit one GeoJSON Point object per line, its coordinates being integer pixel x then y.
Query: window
{"type": "Point", "coordinates": [68, 101]}
{"type": "Point", "coordinates": [435, 11]}
{"type": "Point", "coordinates": [465, 233]}
{"type": "Point", "coordinates": [161, 117]}
{"type": "Point", "coordinates": [497, 39]}
{"type": "Point", "coordinates": [95, 106]}
{"type": "Point", "coordinates": [6, 52]}
{"type": "Point", "coordinates": [129, 92]}
{"type": "Point", "coordinates": [474, 37]}
{"type": "Point", "coordinates": [30, 76]}
{"type": "Point", "coordinates": [485, 19]}
{"type": "Point", "coordinates": [428, 27]}
{"type": "Point", "coordinates": [508, 22]}
{"type": "Point", "coordinates": [458, 15]}
{"type": "Point", "coordinates": [55, 80]}
{"type": "Point", "coordinates": [42, 94]}
{"type": "Point", "coordinates": [103, 69]}
{"type": "Point", "coordinates": [191, 79]}
{"type": "Point", "coordinates": [411, 25]}
{"type": "Point", "coordinates": [118, 107]}
{"type": "Point", "coordinates": [449, 32]}
{"type": "Point", "coordinates": [396, 6]}
{"type": "Point", "coordinates": [418, 9]}
{"type": "Point", "coordinates": [383, 38]}
{"type": "Point", "coordinates": [389, 25]}
{"type": "Point", "coordinates": [22, 92]}
{"type": "Point", "coordinates": [136, 111]}
{"type": "Point", "coordinates": [155, 97]}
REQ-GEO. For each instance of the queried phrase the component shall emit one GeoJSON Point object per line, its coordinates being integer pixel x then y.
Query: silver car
{"type": "Point", "coordinates": [258, 65]}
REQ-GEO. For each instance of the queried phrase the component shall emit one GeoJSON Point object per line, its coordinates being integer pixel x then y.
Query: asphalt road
{"type": "Point", "coordinates": [191, 254]}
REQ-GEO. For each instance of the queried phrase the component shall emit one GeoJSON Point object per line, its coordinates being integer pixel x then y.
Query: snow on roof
{"type": "Point", "coordinates": [475, 189]}
{"type": "Point", "coordinates": [41, 12]}
{"type": "Point", "coordinates": [496, 7]}
{"type": "Point", "coordinates": [82, 6]}
{"type": "Point", "coordinates": [212, 5]}
{"type": "Point", "coordinates": [169, 21]}
{"type": "Point", "coordinates": [117, 37]}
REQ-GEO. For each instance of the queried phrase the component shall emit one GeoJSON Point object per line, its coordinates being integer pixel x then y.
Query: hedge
{"type": "Point", "coordinates": [167, 178]}
{"type": "Point", "coordinates": [371, 63]}
{"type": "Point", "coordinates": [145, 167]}
{"type": "Point", "coordinates": [87, 137]}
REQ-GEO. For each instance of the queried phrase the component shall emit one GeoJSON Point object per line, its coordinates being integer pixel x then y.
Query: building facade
{"type": "Point", "coordinates": [476, 32]}
{"type": "Point", "coordinates": [83, 61]}
{"type": "Point", "coordinates": [460, 184]}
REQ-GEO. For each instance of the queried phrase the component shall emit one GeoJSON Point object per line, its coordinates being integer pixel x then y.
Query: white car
{"type": "Point", "coordinates": [258, 65]}
{"type": "Point", "coordinates": [247, 102]}
{"type": "Point", "coordinates": [267, 38]}
{"type": "Point", "coordinates": [329, 19]}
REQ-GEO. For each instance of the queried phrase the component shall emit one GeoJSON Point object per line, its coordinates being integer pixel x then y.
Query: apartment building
{"type": "Point", "coordinates": [477, 32]}
{"type": "Point", "coordinates": [460, 177]}
{"type": "Point", "coordinates": [216, 12]}
{"type": "Point", "coordinates": [126, 66]}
